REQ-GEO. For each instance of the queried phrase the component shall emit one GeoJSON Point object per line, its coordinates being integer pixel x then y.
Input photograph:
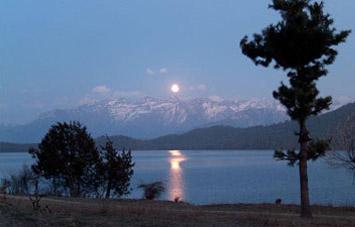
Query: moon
{"type": "Point", "coordinates": [175, 88]}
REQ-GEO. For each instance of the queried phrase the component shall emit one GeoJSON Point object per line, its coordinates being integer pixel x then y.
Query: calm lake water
{"type": "Point", "coordinates": [204, 177]}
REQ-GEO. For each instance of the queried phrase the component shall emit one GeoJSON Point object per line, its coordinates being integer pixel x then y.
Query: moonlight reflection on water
{"type": "Point", "coordinates": [175, 185]}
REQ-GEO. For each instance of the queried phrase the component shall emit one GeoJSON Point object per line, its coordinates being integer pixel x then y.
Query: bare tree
{"type": "Point", "coordinates": [344, 138]}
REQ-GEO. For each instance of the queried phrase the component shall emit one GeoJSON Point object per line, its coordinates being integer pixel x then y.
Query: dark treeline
{"type": "Point", "coordinates": [15, 147]}
{"type": "Point", "coordinates": [68, 163]}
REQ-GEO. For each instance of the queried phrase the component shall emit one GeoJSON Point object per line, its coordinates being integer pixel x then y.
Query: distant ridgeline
{"type": "Point", "coordinates": [13, 147]}
{"type": "Point", "coordinates": [260, 137]}
{"type": "Point", "coordinates": [223, 137]}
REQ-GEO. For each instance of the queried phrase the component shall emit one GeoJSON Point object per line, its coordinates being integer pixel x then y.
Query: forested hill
{"type": "Point", "coordinates": [261, 137]}
{"type": "Point", "coordinates": [14, 147]}
{"type": "Point", "coordinates": [223, 137]}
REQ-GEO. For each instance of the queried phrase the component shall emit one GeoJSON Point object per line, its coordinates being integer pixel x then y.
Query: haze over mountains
{"type": "Point", "coordinates": [148, 117]}
{"type": "Point", "coordinates": [280, 135]}
{"type": "Point", "coordinates": [151, 117]}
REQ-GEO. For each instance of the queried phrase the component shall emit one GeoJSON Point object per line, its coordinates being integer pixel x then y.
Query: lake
{"type": "Point", "coordinates": [205, 177]}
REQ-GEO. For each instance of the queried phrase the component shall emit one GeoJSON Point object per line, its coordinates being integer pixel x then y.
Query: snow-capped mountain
{"type": "Point", "coordinates": [150, 117]}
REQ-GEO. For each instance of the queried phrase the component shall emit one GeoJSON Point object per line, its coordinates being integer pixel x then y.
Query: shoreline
{"type": "Point", "coordinates": [227, 149]}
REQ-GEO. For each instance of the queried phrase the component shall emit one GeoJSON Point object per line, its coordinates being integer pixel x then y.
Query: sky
{"type": "Point", "coordinates": [64, 53]}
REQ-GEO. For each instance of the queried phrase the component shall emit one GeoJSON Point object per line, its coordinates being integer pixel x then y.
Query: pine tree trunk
{"type": "Point", "coordinates": [74, 191]}
{"type": "Point", "coordinates": [303, 140]}
{"type": "Point", "coordinates": [74, 187]}
{"type": "Point", "coordinates": [108, 189]}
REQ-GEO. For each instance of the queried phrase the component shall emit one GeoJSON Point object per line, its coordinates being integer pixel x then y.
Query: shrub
{"type": "Point", "coordinates": [20, 183]}
{"type": "Point", "coordinates": [153, 190]}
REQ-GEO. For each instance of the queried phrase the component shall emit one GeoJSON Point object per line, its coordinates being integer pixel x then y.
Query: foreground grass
{"type": "Point", "coordinates": [17, 211]}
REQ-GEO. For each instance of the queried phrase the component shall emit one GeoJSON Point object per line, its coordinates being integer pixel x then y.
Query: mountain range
{"type": "Point", "coordinates": [149, 117]}
{"type": "Point", "coordinates": [280, 135]}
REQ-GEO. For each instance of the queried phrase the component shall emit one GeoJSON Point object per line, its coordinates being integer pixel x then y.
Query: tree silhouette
{"type": "Point", "coordinates": [116, 170]}
{"type": "Point", "coordinates": [302, 45]}
{"type": "Point", "coordinates": [153, 190]}
{"type": "Point", "coordinates": [69, 154]}
{"type": "Point", "coordinates": [344, 137]}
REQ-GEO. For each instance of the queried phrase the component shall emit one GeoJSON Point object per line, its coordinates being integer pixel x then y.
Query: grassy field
{"type": "Point", "coordinates": [17, 211]}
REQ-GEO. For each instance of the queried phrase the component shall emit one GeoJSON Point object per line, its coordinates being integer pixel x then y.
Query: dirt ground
{"type": "Point", "coordinates": [18, 211]}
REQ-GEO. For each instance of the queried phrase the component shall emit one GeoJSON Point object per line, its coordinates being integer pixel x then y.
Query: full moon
{"type": "Point", "coordinates": [175, 88]}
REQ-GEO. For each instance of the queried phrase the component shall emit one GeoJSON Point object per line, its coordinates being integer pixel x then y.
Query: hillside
{"type": "Point", "coordinates": [261, 137]}
{"type": "Point", "coordinates": [13, 147]}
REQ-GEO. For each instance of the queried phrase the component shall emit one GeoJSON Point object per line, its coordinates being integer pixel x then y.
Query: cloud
{"type": "Point", "coordinates": [216, 98]}
{"type": "Point", "coordinates": [102, 92]}
{"type": "Point", "coordinates": [87, 101]}
{"type": "Point", "coordinates": [199, 87]}
{"type": "Point", "coordinates": [102, 89]}
{"type": "Point", "coordinates": [149, 71]}
{"type": "Point", "coordinates": [163, 71]}
{"type": "Point", "coordinates": [127, 94]}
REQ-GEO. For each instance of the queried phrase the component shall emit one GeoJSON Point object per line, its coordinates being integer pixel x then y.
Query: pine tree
{"type": "Point", "coordinates": [302, 45]}
{"type": "Point", "coordinates": [67, 154]}
{"type": "Point", "coordinates": [116, 170]}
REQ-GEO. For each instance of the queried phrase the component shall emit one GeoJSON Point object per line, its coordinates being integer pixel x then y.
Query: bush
{"type": "Point", "coordinates": [20, 183]}
{"type": "Point", "coordinates": [153, 190]}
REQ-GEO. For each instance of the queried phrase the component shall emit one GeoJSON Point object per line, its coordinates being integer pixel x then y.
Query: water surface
{"type": "Point", "coordinates": [204, 177]}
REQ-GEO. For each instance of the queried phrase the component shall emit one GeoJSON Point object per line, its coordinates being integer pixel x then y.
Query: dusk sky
{"type": "Point", "coordinates": [60, 54]}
